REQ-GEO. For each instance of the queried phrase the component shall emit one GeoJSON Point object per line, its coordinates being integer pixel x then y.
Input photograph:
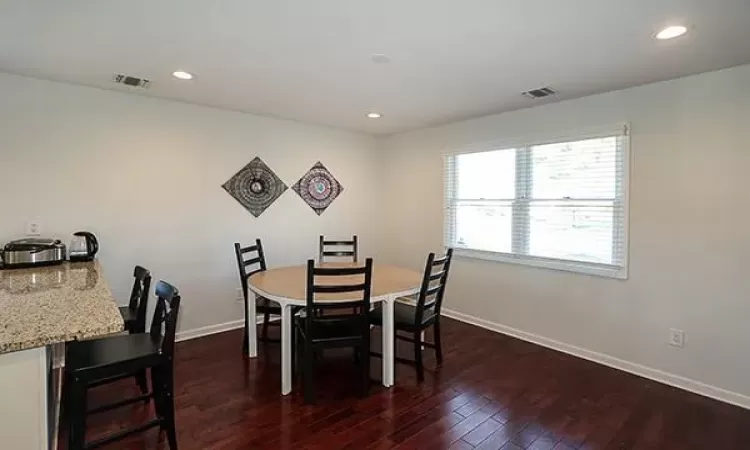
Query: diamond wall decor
{"type": "Point", "coordinates": [318, 188]}
{"type": "Point", "coordinates": [255, 187]}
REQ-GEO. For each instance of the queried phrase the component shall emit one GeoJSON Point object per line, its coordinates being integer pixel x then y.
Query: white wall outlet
{"type": "Point", "coordinates": [33, 228]}
{"type": "Point", "coordinates": [239, 297]}
{"type": "Point", "coordinates": [676, 338]}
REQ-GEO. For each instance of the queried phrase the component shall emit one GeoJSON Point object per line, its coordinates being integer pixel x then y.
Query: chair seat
{"type": "Point", "coordinates": [105, 357]}
{"type": "Point", "coordinates": [405, 316]}
{"type": "Point", "coordinates": [337, 329]}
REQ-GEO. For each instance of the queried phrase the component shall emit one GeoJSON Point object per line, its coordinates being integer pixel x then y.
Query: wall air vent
{"type": "Point", "coordinates": [127, 80]}
{"type": "Point", "coordinates": [539, 93]}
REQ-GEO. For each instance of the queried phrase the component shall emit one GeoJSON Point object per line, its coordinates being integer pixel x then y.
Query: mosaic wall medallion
{"type": "Point", "coordinates": [318, 188]}
{"type": "Point", "coordinates": [255, 187]}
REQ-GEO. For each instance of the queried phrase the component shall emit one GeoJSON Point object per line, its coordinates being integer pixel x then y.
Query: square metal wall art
{"type": "Point", "coordinates": [318, 188]}
{"type": "Point", "coordinates": [255, 187]}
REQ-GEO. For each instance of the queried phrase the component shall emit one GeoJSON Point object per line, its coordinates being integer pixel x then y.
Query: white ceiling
{"type": "Point", "coordinates": [310, 60]}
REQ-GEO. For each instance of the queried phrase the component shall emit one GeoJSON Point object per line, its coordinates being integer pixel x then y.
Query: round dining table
{"type": "Point", "coordinates": [287, 286]}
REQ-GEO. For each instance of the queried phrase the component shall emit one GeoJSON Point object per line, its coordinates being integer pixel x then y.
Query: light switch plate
{"type": "Point", "coordinates": [676, 338]}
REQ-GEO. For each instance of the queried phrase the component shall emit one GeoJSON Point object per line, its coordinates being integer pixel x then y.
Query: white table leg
{"type": "Point", "coordinates": [388, 340]}
{"type": "Point", "coordinates": [286, 349]}
{"type": "Point", "coordinates": [252, 332]}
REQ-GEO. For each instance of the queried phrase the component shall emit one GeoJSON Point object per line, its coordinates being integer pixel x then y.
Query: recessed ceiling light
{"type": "Point", "coordinates": [671, 32]}
{"type": "Point", "coordinates": [182, 75]}
{"type": "Point", "coordinates": [374, 115]}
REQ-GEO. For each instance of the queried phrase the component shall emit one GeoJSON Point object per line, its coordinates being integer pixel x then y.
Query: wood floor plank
{"type": "Point", "coordinates": [492, 392]}
{"type": "Point", "coordinates": [482, 432]}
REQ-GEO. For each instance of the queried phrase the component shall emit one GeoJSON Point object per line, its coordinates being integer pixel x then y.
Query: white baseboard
{"type": "Point", "coordinates": [218, 328]}
{"type": "Point", "coordinates": [677, 381]}
{"type": "Point", "coordinates": [208, 330]}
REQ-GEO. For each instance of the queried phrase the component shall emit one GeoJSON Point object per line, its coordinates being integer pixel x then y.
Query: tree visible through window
{"type": "Point", "coordinates": [561, 201]}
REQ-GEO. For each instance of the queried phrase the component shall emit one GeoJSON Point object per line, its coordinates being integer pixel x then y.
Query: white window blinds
{"type": "Point", "coordinates": [560, 204]}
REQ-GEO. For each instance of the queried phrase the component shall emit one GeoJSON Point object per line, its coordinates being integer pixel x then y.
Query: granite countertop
{"type": "Point", "coordinates": [46, 305]}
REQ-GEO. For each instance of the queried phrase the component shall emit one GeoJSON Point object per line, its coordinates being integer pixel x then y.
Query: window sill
{"type": "Point", "coordinates": [600, 270]}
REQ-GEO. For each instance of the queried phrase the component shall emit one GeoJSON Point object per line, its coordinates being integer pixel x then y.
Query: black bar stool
{"type": "Point", "coordinates": [99, 361]}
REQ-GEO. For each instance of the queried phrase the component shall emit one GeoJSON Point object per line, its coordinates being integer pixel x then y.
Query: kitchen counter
{"type": "Point", "coordinates": [40, 307]}
{"type": "Point", "coordinates": [46, 305]}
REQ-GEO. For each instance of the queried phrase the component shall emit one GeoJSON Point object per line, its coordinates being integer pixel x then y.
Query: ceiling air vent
{"type": "Point", "coordinates": [127, 80]}
{"type": "Point", "coordinates": [539, 93]}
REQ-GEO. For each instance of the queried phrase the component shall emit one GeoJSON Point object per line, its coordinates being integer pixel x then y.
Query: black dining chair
{"type": "Point", "coordinates": [315, 331]}
{"type": "Point", "coordinates": [93, 362]}
{"type": "Point", "coordinates": [134, 314]}
{"type": "Point", "coordinates": [251, 260]}
{"type": "Point", "coordinates": [415, 319]}
{"type": "Point", "coordinates": [338, 250]}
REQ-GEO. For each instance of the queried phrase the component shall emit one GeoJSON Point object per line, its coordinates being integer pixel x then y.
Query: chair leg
{"type": "Point", "coordinates": [438, 343]}
{"type": "Point", "coordinates": [169, 414]}
{"type": "Point", "coordinates": [364, 353]}
{"type": "Point", "coordinates": [77, 418]}
{"type": "Point", "coordinates": [266, 320]}
{"type": "Point", "coordinates": [418, 356]}
{"type": "Point", "coordinates": [308, 375]}
{"type": "Point", "coordinates": [158, 386]}
{"type": "Point", "coordinates": [65, 399]}
{"type": "Point", "coordinates": [140, 379]}
{"type": "Point", "coordinates": [245, 349]}
{"type": "Point", "coordinates": [357, 355]}
{"type": "Point", "coordinates": [295, 353]}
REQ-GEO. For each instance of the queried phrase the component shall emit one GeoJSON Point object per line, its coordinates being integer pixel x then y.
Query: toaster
{"type": "Point", "coordinates": [32, 252]}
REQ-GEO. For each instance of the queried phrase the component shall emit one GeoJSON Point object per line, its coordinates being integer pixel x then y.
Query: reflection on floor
{"type": "Point", "coordinates": [493, 392]}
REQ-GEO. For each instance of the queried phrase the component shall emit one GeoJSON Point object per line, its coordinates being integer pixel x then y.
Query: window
{"type": "Point", "coordinates": [559, 204]}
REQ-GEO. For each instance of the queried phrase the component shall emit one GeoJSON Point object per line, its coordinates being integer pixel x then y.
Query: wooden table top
{"type": "Point", "coordinates": [289, 283]}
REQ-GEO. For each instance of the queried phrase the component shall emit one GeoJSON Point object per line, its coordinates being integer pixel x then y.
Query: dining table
{"type": "Point", "coordinates": [287, 287]}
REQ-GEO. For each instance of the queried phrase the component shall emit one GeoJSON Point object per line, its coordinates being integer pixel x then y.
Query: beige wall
{"type": "Point", "coordinates": [689, 233]}
{"type": "Point", "coordinates": [145, 175]}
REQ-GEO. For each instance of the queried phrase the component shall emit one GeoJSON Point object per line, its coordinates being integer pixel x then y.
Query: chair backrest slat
{"type": "Point", "coordinates": [251, 248]}
{"type": "Point", "coordinates": [325, 288]}
{"type": "Point", "coordinates": [256, 258]}
{"type": "Point", "coordinates": [431, 294]}
{"type": "Point", "coordinates": [250, 262]}
{"type": "Point", "coordinates": [440, 261]}
{"type": "Point", "coordinates": [332, 249]}
{"type": "Point", "coordinates": [337, 271]}
{"type": "Point", "coordinates": [341, 254]}
{"type": "Point", "coordinates": [437, 275]}
{"type": "Point", "coordinates": [164, 323]}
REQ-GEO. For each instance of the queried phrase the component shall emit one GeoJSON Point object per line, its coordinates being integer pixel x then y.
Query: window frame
{"type": "Point", "coordinates": [523, 163]}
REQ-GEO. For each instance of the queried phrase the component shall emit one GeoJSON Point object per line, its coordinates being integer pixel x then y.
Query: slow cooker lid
{"type": "Point", "coordinates": [31, 244]}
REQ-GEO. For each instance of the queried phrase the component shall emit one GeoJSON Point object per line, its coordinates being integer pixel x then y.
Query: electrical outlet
{"type": "Point", "coordinates": [239, 296]}
{"type": "Point", "coordinates": [676, 338]}
{"type": "Point", "coordinates": [33, 228]}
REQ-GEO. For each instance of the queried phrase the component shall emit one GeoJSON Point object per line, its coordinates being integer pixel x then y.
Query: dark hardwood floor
{"type": "Point", "coordinates": [493, 392]}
